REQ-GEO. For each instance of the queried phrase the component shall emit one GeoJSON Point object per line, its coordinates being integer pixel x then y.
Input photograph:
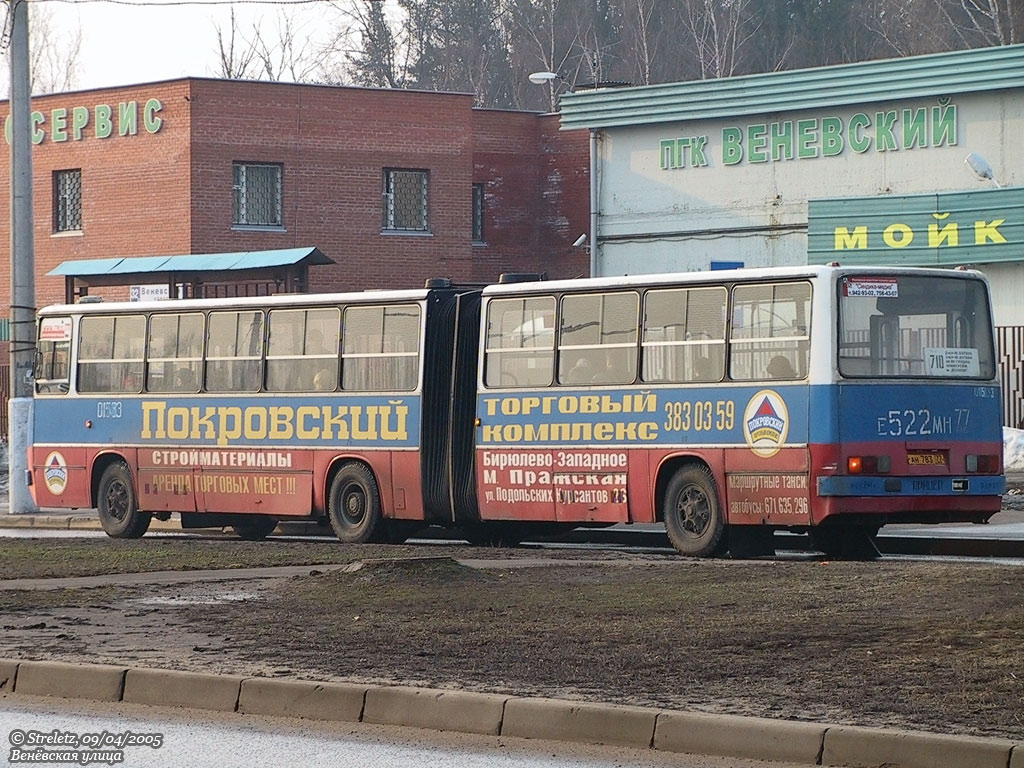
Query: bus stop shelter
{"type": "Point", "coordinates": [203, 275]}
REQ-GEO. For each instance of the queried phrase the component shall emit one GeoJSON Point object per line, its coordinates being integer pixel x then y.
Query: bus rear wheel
{"type": "Point", "coordinates": [117, 506]}
{"type": "Point", "coordinates": [353, 505]}
{"type": "Point", "coordinates": [255, 528]}
{"type": "Point", "coordinates": [692, 513]}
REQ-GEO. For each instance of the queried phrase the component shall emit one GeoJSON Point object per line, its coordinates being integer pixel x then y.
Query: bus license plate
{"type": "Point", "coordinates": [926, 459]}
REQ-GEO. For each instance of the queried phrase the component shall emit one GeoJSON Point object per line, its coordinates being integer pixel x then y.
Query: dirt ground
{"type": "Point", "coordinates": [935, 646]}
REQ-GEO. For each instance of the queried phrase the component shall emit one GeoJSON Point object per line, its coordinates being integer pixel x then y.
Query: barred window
{"type": "Point", "coordinates": [67, 200]}
{"type": "Point", "coordinates": [478, 213]}
{"type": "Point", "coordinates": [405, 201]}
{"type": "Point", "coordinates": [257, 192]}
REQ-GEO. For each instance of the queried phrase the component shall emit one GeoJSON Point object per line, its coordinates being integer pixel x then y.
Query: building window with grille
{"type": "Point", "coordinates": [67, 200]}
{"type": "Point", "coordinates": [257, 193]}
{"type": "Point", "coordinates": [405, 201]}
{"type": "Point", "coordinates": [478, 213]}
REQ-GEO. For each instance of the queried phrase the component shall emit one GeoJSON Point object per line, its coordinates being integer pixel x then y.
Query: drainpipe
{"type": "Point", "coordinates": [594, 217]}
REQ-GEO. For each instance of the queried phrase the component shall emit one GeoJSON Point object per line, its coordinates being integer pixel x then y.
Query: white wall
{"type": "Point", "coordinates": [757, 213]}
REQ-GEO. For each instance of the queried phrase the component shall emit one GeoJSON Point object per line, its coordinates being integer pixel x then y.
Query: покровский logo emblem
{"type": "Point", "coordinates": [55, 473]}
{"type": "Point", "coordinates": [766, 423]}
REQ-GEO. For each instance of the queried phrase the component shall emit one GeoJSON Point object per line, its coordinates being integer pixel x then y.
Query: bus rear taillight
{"type": "Point", "coordinates": [857, 465]}
{"type": "Point", "coordinates": [986, 462]}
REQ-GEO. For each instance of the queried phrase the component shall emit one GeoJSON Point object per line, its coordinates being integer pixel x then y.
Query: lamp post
{"type": "Point", "coordinates": [551, 79]}
{"type": "Point", "coordinates": [23, 286]}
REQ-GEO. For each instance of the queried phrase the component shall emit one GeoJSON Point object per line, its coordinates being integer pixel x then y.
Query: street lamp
{"type": "Point", "coordinates": [979, 165]}
{"type": "Point", "coordinates": [552, 80]}
{"type": "Point", "coordinates": [539, 78]}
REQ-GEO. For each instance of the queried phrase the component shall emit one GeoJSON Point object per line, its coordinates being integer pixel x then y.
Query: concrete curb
{"type": "Point", "coordinates": [437, 710]}
{"type": "Point", "coordinates": [756, 738]}
{"type": "Point", "coordinates": [848, 745]}
{"type": "Point", "coordinates": [8, 671]}
{"type": "Point", "coordinates": [167, 688]}
{"type": "Point", "coordinates": [298, 698]}
{"type": "Point", "coordinates": [577, 721]}
{"type": "Point", "coordinates": [532, 718]}
{"type": "Point", "coordinates": [99, 682]}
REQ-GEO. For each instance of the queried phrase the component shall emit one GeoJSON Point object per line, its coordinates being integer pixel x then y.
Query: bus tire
{"type": "Point", "coordinates": [254, 528]}
{"type": "Point", "coordinates": [117, 506]}
{"type": "Point", "coordinates": [693, 514]}
{"type": "Point", "coordinates": [353, 505]}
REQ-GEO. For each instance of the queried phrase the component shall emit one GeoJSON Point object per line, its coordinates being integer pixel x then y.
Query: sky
{"type": "Point", "coordinates": [159, 39]}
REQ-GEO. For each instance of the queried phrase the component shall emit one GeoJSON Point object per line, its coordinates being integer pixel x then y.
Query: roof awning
{"type": "Point", "coordinates": [285, 267]}
{"type": "Point", "coordinates": [146, 266]}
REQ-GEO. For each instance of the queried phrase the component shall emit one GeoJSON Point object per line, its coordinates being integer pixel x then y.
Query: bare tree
{"type": "Point", "coordinates": [720, 31]}
{"type": "Point", "coordinates": [994, 22]}
{"type": "Point", "coordinates": [286, 55]}
{"type": "Point", "coordinates": [236, 55]}
{"type": "Point", "coordinates": [53, 56]}
{"type": "Point", "coordinates": [283, 54]}
{"type": "Point", "coordinates": [539, 40]}
{"type": "Point", "coordinates": [642, 31]}
{"type": "Point", "coordinates": [371, 44]}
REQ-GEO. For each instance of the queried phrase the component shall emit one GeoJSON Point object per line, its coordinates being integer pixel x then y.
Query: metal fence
{"type": "Point", "coordinates": [1010, 352]}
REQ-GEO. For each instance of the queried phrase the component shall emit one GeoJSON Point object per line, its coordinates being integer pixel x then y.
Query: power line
{"type": "Point", "coordinates": [177, 3]}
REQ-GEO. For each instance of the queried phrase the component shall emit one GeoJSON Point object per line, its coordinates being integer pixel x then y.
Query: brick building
{"type": "Point", "coordinates": [394, 186]}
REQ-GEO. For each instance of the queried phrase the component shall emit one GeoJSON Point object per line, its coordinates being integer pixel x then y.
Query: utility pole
{"type": "Point", "coordinates": [23, 284]}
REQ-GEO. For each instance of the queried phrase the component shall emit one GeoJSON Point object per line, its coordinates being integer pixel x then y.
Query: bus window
{"type": "Point", "coordinates": [684, 335]}
{"type": "Point", "coordinates": [770, 332]}
{"type": "Point", "coordinates": [914, 326]}
{"type": "Point", "coordinates": [380, 348]}
{"type": "Point", "coordinates": [519, 350]}
{"type": "Point", "coordinates": [174, 353]}
{"type": "Point", "coordinates": [302, 351]}
{"type": "Point", "coordinates": [53, 352]}
{"type": "Point", "coordinates": [597, 338]}
{"type": "Point", "coordinates": [233, 351]}
{"type": "Point", "coordinates": [110, 353]}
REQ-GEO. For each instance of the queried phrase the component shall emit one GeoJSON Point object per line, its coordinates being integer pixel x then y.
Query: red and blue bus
{"type": "Point", "coordinates": [727, 405]}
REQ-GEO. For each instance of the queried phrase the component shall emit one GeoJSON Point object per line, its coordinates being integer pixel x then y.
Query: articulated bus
{"type": "Point", "coordinates": [727, 405]}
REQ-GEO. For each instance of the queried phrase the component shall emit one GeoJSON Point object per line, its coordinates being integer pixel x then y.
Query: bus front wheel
{"type": "Point", "coordinates": [692, 513]}
{"type": "Point", "coordinates": [117, 505]}
{"type": "Point", "coordinates": [353, 505]}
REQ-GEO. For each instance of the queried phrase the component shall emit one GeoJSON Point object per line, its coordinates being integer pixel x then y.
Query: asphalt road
{"type": "Point", "coordinates": [200, 739]}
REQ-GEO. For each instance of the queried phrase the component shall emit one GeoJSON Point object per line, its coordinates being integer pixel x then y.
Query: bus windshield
{"type": "Point", "coordinates": [914, 327]}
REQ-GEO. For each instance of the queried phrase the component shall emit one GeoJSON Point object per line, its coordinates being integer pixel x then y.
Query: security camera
{"type": "Point", "coordinates": [580, 240]}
